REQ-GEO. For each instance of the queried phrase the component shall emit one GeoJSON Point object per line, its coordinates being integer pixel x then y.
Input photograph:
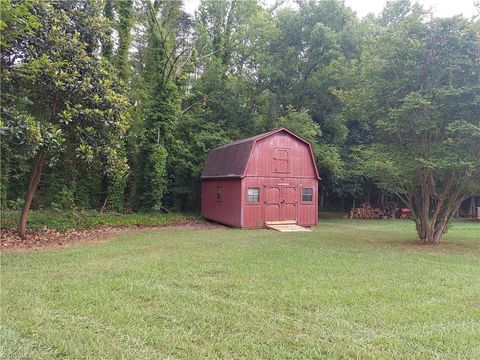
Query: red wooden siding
{"type": "Point", "coordinates": [227, 210]}
{"type": "Point", "coordinates": [271, 153]}
{"type": "Point", "coordinates": [280, 199]}
{"type": "Point", "coordinates": [278, 164]}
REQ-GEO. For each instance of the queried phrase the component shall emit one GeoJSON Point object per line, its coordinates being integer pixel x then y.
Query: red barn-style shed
{"type": "Point", "coordinates": [268, 177]}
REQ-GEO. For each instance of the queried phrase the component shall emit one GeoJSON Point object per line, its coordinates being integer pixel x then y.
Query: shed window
{"type": "Point", "coordinates": [307, 194]}
{"type": "Point", "coordinates": [253, 195]}
{"type": "Point", "coordinates": [218, 193]}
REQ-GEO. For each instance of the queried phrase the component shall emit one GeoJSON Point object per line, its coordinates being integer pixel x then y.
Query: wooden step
{"type": "Point", "coordinates": [287, 227]}
{"type": "Point", "coordinates": [283, 222]}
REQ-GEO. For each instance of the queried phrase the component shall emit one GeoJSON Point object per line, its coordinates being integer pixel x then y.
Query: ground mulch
{"type": "Point", "coordinates": [50, 238]}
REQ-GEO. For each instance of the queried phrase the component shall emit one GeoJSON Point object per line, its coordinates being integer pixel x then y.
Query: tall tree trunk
{"type": "Point", "coordinates": [433, 210]}
{"type": "Point", "coordinates": [471, 212]}
{"type": "Point", "coordinates": [431, 228]}
{"type": "Point", "coordinates": [322, 198]}
{"type": "Point", "coordinates": [369, 194]}
{"type": "Point", "coordinates": [226, 41]}
{"type": "Point", "coordinates": [32, 188]}
{"type": "Point", "coordinates": [382, 198]}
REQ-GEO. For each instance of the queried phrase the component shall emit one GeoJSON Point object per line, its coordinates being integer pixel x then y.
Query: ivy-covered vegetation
{"type": "Point", "coordinates": [114, 105]}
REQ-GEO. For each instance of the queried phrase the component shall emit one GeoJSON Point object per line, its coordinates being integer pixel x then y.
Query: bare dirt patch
{"type": "Point", "coordinates": [49, 238]}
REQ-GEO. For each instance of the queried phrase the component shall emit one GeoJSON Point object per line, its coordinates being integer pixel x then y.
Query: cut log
{"type": "Point", "coordinates": [387, 210]}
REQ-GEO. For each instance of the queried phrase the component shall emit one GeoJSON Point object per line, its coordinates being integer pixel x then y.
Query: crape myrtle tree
{"type": "Point", "coordinates": [420, 91]}
{"type": "Point", "coordinates": [60, 96]}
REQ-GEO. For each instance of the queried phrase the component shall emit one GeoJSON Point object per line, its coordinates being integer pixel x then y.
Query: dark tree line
{"type": "Point", "coordinates": [115, 104]}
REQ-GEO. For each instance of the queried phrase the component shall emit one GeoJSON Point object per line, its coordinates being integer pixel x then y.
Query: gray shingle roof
{"type": "Point", "coordinates": [230, 160]}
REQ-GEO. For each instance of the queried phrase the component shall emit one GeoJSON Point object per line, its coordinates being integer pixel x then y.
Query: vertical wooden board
{"type": "Point", "coordinates": [272, 203]}
{"type": "Point", "coordinates": [228, 210]}
{"type": "Point", "coordinates": [271, 206]}
{"type": "Point", "coordinates": [262, 159]}
{"type": "Point", "coordinates": [272, 194]}
{"type": "Point", "coordinates": [289, 202]}
{"type": "Point", "coordinates": [253, 214]}
{"type": "Point", "coordinates": [308, 211]}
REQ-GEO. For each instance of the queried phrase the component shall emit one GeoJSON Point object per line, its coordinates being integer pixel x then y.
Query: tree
{"type": "Point", "coordinates": [164, 57]}
{"type": "Point", "coordinates": [230, 39]}
{"type": "Point", "coordinates": [118, 15]}
{"type": "Point", "coordinates": [327, 155]}
{"type": "Point", "coordinates": [420, 92]}
{"type": "Point", "coordinates": [16, 23]}
{"type": "Point", "coordinates": [124, 8]}
{"type": "Point", "coordinates": [312, 57]}
{"type": "Point", "coordinates": [68, 99]}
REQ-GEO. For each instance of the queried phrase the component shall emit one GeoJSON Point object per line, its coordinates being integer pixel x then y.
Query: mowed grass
{"type": "Point", "coordinates": [349, 289]}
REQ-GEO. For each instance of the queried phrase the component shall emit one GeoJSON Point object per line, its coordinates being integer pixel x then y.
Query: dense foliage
{"type": "Point", "coordinates": [418, 88]}
{"type": "Point", "coordinates": [61, 102]}
{"type": "Point", "coordinates": [110, 104]}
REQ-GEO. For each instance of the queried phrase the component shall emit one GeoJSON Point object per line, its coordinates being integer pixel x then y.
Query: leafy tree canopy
{"type": "Point", "coordinates": [420, 91]}
{"type": "Point", "coordinates": [60, 95]}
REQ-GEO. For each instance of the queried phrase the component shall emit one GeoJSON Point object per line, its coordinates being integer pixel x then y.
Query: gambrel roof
{"type": "Point", "coordinates": [230, 160]}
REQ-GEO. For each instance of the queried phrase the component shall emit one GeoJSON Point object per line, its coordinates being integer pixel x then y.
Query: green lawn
{"type": "Point", "coordinates": [350, 289]}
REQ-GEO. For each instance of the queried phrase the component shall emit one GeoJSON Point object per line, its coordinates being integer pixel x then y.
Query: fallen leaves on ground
{"type": "Point", "coordinates": [47, 238]}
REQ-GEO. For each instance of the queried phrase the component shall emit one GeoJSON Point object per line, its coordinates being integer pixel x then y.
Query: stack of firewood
{"type": "Point", "coordinates": [388, 210]}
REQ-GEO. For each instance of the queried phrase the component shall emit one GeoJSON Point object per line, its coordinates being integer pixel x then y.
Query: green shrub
{"type": "Point", "coordinates": [63, 199]}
